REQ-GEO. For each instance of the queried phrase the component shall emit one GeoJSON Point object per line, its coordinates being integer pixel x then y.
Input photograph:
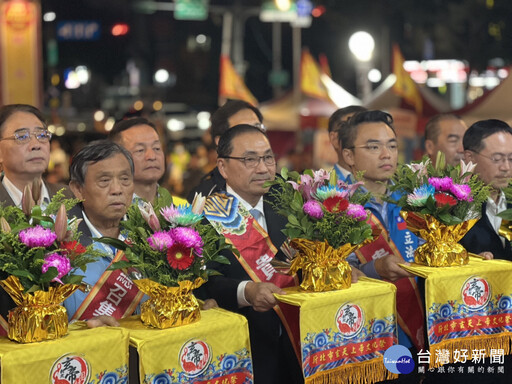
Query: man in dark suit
{"type": "Point", "coordinates": [488, 143]}
{"type": "Point", "coordinates": [247, 285]}
{"type": "Point", "coordinates": [24, 156]}
{"type": "Point", "coordinates": [232, 113]}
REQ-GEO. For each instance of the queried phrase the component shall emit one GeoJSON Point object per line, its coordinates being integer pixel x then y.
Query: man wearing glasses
{"type": "Point", "coordinates": [370, 146]}
{"type": "Point", "coordinates": [488, 143]}
{"type": "Point", "coordinates": [24, 153]}
{"type": "Point", "coordinates": [232, 113]}
{"type": "Point", "coordinates": [246, 161]}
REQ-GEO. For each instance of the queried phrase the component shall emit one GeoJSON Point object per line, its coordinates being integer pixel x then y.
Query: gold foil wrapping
{"type": "Point", "coordinates": [38, 315]}
{"type": "Point", "coordinates": [441, 248]}
{"type": "Point", "coordinates": [169, 306]}
{"type": "Point", "coordinates": [323, 267]}
{"type": "Point", "coordinates": [506, 230]}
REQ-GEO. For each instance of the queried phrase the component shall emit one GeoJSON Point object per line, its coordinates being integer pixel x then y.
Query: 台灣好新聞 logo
{"type": "Point", "coordinates": [398, 359]}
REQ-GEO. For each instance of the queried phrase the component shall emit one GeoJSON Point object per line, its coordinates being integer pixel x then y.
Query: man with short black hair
{"type": "Point", "coordinates": [488, 143]}
{"type": "Point", "coordinates": [232, 113]}
{"type": "Point", "coordinates": [444, 133]}
{"type": "Point", "coordinates": [247, 286]}
{"type": "Point", "coordinates": [336, 123]}
{"type": "Point", "coordinates": [370, 146]}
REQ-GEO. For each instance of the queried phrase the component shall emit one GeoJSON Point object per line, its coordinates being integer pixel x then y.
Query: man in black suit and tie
{"type": "Point", "coordinates": [247, 285]}
{"type": "Point", "coordinates": [488, 143]}
{"type": "Point", "coordinates": [24, 156]}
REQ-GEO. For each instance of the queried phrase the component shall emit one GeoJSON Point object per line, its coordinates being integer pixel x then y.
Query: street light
{"type": "Point", "coordinates": [361, 44]}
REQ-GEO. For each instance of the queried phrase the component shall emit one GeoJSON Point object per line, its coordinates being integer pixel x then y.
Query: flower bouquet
{"type": "Point", "coordinates": [39, 254]}
{"type": "Point", "coordinates": [326, 222]}
{"type": "Point", "coordinates": [170, 247]}
{"type": "Point", "coordinates": [440, 204]}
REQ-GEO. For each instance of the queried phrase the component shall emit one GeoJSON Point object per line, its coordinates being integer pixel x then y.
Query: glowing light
{"type": "Point", "coordinates": [120, 29]}
{"type": "Point", "coordinates": [138, 105]}
{"type": "Point", "coordinates": [175, 125]}
{"type": "Point", "coordinates": [81, 127]}
{"type": "Point", "coordinates": [49, 17]}
{"type": "Point", "coordinates": [374, 75]}
{"type": "Point", "coordinates": [283, 5]}
{"type": "Point", "coordinates": [200, 39]}
{"type": "Point", "coordinates": [109, 124]}
{"type": "Point", "coordinates": [99, 115]}
{"type": "Point", "coordinates": [157, 105]}
{"type": "Point", "coordinates": [161, 76]}
{"type": "Point", "coordinates": [361, 44]}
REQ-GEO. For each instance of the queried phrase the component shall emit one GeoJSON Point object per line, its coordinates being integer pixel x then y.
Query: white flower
{"type": "Point", "coordinates": [198, 203]}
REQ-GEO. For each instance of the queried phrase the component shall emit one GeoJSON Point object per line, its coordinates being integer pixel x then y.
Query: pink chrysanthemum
{"type": "Point", "coordinates": [37, 237]}
{"type": "Point", "coordinates": [160, 241]}
{"type": "Point", "coordinates": [441, 184]}
{"type": "Point", "coordinates": [313, 209]}
{"type": "Point", "coordinates": [170, 213]}
{"type": "Point", "coordinates": [188, 237]}
{"type": "Point", "coordinates": [461, 192]}
{"type": "Point", "coordinates": [357, 212]}
{"type": "Point", "coordinates": [60, 262]}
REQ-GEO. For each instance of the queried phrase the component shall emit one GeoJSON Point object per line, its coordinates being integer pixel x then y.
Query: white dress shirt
{"type": "Point", "coordinates": [16, 195]}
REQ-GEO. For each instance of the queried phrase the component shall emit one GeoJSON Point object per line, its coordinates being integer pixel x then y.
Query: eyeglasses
{"type": "Point", "coordinates": [375, 148]}
{"type": "Point", "coordinates": [22, 136]}
{"type": "Point", "coordinates": [253, 161]}
{"type": "Point", "coordinates": [497, 158]}
{"type": "Point", "coordinates": [260, 126]}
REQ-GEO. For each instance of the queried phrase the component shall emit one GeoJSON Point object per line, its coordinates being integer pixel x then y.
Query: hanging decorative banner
{"type": "Point", "coordinates": [78, 358]}
{"type": "Point", "coordinates": [344, 334]}
{"type": "Point", "coordinates": [467, 307]}
{"type": "Point", "coordinates": [215, 349]}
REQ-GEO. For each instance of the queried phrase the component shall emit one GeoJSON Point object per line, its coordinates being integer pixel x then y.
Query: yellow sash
{"type": "Point", "coordinates": [468, 307]}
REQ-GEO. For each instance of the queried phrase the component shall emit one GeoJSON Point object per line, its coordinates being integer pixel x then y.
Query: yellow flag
{"type": "Point", "coordinates": [404, 85]}
{"type": "Point", "coordinates": [231, 84]}
{"type": "Point", "coordinates": [310, 77]}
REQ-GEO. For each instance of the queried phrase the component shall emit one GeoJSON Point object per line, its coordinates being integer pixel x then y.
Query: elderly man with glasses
{"type": "Point", "coordinates": [488, 143]}
{"type": "Point", "coordinates": [24, 153]}
{"type": "Point", "coordinates": [247, 285]}
{"type": "Point", "coordinates": [24, 156]}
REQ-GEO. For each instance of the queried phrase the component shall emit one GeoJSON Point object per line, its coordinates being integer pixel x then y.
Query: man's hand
{"type": "Point", "coordinates": [387, 267]}
{"type": "Point", "coordinates": [261, 295]}
{"type": "Point", "coordinates": [209, 304]}
{"type": "Point", "coordinates": [102, 321]}
{"type": "Point", "coordinates": [486, 255]}
{"type": "Point", "coordinates": [356, 274]}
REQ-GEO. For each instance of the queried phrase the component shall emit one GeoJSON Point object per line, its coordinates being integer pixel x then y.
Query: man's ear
{"type": "Point", "coordinates": [430, 148]}
{"type": "Point", "coordinates": [221, 164]}
{"type": "Point", "coordinates": [333, 138]}
{"type": "Point", "coordinates": [76, 189]}
{"type": "Point", "coordinates": [468, 156]}
{"type": "Point", "coordinates": [348, 156]}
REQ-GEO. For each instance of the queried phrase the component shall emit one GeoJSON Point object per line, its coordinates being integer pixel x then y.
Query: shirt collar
{"type": "Point", "coordinates": [16, 195]}
{"type": "Point", "coordinates": [258, 206]}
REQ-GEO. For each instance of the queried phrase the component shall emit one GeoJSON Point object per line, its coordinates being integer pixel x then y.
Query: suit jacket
{"type": "Point", "coordinates": [273, 358]}
{"type": "Point", "coordinates": [210, 183]}
{"type": "Point", "coordinates": [482, 237]}
{"type": "Point", "coordinates": [6, 303]}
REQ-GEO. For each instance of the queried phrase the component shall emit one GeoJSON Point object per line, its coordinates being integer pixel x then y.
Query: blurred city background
{"type": "Point", "coordinates": [89, 63]}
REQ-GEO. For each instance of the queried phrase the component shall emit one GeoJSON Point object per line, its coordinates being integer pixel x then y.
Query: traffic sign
{"type": "Point", "coordinates": [191, 10]}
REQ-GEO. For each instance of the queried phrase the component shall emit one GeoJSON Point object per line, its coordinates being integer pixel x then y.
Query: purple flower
{"type": "Point", "coordinates": [357, 212]}
{"type": "Point", "coordinates": [60, 262]}
{"type": "Point", "coordinates": [188, 237]}
{"type": "Point", "coordinates": [441, 184]}
{"type": "Point", "coordinates": [461, 192]}
{"type": "Point", "coordinates": [313, 209]}
{"type": "Point", "coordinates": [160, 241]}
{"type": "Point", "coordinates": [37, 237]}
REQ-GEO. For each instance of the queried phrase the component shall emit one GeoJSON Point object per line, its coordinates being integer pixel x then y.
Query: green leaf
{"type": "Point", "coordinates": [284, 173]}
{"type": "Point", "coordinates": [120, 265]}
{"type": "Point", "coordinates": [221, 259]}
{"type": "Point", "coordinates": [24, 273]}
{"type": "Point", "coordinates": [293, 220]}
{"type": "Point", "coordinates": [116, 243]}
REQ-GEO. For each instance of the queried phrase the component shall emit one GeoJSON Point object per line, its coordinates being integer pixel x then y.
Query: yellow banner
{"type": "Point", "coordinates": [310, 81]}
{"type": "Point", "coordinates": [86, 356]}
{"type": "Point", "coordinates": [344, 334]}
{"type": "Point", "coordinates": [467, 307]}
{"type": "Point", "coordinates": [20, 52]}
{"type": "Point", "coordinates": [405, 85]}
{"type": "Point", "coordinates": [213, 350]}
{"type": "Point", "coordinates": [232, 85]}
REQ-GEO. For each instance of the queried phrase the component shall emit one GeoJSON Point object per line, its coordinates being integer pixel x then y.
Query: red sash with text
{"type": "Point", "coordinates": [410, 310]}
{"type": "Point", "coordinates": [237, 225]}
{"type": "Point", "coordinates": [114, 294]}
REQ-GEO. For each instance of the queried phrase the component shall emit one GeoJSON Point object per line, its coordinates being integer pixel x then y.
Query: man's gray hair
{"type": "Point", "coordinates": [92, 153]}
